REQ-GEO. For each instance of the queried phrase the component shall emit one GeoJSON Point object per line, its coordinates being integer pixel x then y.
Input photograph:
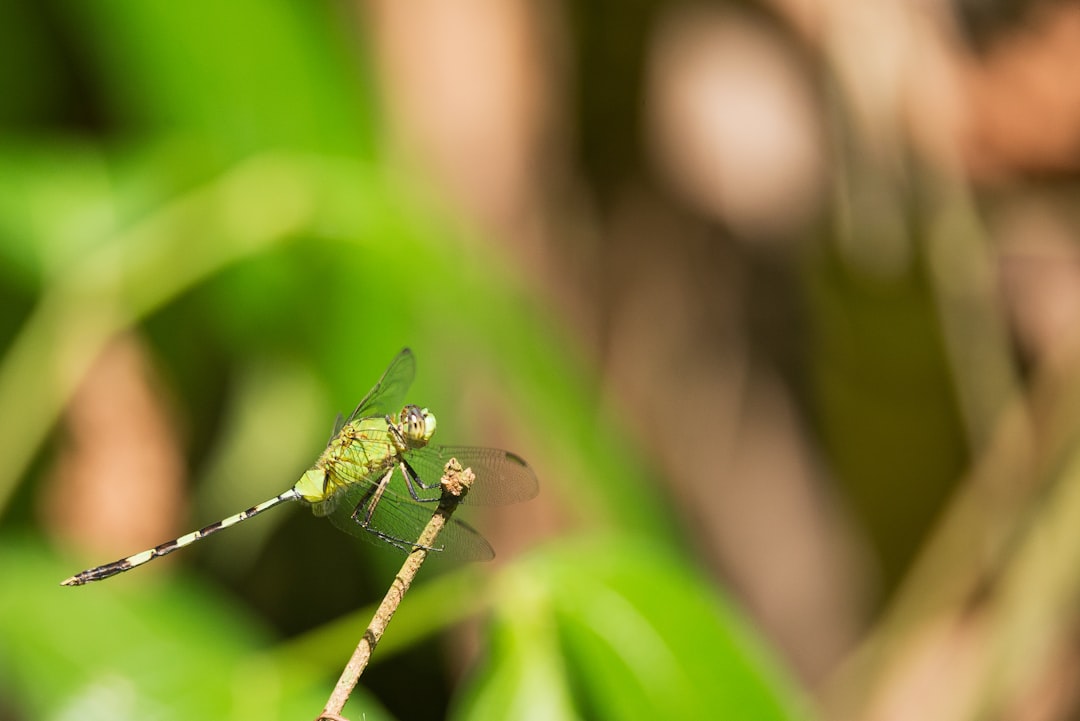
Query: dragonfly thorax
{"type": "Point", "coordinates": [364, 449]}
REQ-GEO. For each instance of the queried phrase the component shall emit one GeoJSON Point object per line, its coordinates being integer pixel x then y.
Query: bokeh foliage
{"type": "Point", "coordinates": [208, 179]}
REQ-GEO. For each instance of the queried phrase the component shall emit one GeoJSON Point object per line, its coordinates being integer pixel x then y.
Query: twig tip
{"type": "Point", "coordinates": [456, 480]}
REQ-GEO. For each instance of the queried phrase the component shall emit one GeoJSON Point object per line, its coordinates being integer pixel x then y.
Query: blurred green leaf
{"type": "Point", "coordinates": [55, 206]}
{"type": "Point", "coordinates": [243, 77]}
{"type": "Point", "coordinates": [621, 630]}
{"type": "Point", "coordinates": [173, 650]}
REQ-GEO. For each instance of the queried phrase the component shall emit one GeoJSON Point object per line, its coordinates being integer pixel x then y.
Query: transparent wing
{"type": "Point", "coordinates": [388, 395]}
{"type": "Point", "coordinates": [400, 520]}
{"type": "Point", "coordinates": [339, 423]}
{"type": "Point", "coordinates": [501, 477]}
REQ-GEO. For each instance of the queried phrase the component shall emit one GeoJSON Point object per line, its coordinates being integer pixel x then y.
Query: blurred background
{"type": "Point", "coordinates": [780, 299]}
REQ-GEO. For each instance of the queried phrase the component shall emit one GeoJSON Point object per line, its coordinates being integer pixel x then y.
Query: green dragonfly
{"type": "Point", "coordinates": [378, 480]}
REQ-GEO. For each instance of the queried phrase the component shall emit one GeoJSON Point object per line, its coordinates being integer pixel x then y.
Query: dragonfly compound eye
{"type": "Point", "coordinates": [429, 423]}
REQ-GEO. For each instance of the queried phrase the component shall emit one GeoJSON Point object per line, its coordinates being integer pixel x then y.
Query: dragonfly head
{"type": "Point", "coordinates": [418, 425]}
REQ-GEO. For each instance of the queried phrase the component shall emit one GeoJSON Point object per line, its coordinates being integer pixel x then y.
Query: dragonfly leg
{"type": "Point", "coordinates": [370, 501]}
{"type": "Point", "coordinates": [411, 478]}
{"type": "Point", "coordinates": [399, 439]}
{"type": "Point", "coordinates": [365, 511]}
{"type": "Point", "coordinates": [407, 546]}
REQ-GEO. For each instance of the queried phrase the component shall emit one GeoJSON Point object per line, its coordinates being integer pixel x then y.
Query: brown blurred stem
{"type": "Point", "coordinates": [455, 484]}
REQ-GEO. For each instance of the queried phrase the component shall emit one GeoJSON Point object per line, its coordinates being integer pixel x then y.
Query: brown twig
{"type": "Point", "coordinates": [455, 484]}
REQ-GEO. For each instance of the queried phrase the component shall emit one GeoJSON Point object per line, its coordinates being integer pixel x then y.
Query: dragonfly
{"type": "Point", "coordinates": [378, 480]}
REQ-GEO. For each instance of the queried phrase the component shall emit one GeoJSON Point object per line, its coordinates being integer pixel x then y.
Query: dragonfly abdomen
{"type": "Point", "coordinates": [138, 559]}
